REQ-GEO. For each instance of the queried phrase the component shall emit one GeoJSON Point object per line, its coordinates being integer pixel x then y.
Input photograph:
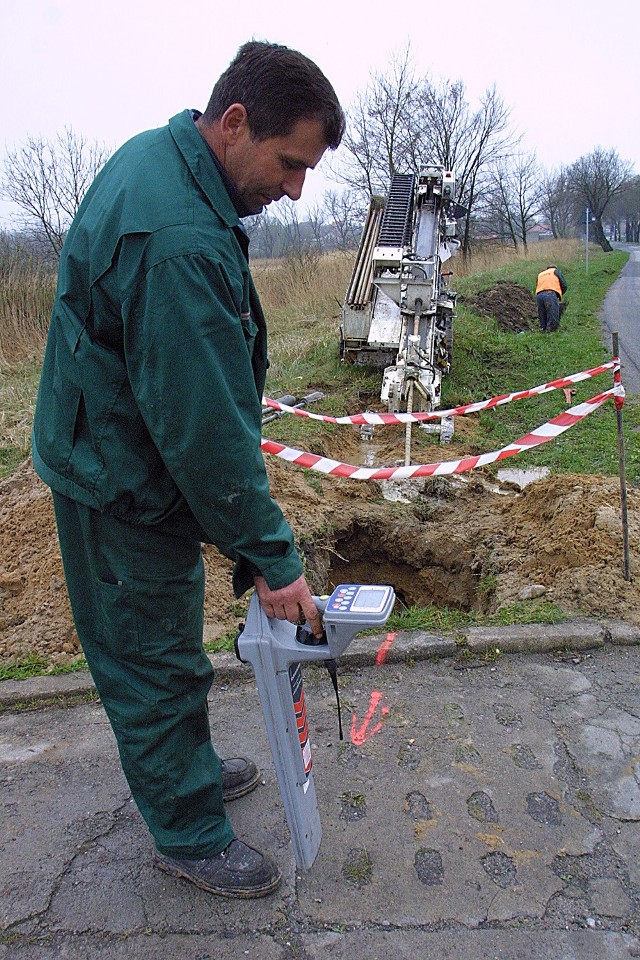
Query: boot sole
{"type": "Point", "coordinates": [237, 893]}
{"type": "Point", "coordinates": [241, 790]}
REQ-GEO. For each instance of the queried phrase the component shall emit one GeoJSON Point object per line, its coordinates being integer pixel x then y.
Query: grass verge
{"type": "Point", "coordinates": [35, 665]}
{"type": "Point", "coordinates": [488, 362]}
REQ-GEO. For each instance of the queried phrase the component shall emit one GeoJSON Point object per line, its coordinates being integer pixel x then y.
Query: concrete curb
{"type": "Point", "coordinates": [410, 645]}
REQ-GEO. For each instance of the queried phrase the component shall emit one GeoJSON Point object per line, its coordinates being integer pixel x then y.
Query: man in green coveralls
{"type": "Point", "coordinates": [148, 426]}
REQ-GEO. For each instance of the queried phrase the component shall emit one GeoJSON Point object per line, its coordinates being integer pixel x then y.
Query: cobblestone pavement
{"type": "Point", "coordinates": [485, 810]}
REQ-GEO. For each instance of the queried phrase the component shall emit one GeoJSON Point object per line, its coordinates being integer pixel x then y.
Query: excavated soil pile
{"type": "Point", "coordinates": [512, 305]}
{"type": "Point", "coordinates": [458, 543]}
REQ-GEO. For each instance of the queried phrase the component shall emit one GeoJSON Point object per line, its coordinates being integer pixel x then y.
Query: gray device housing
{"type": "Point", "coordinates": [271, 647]}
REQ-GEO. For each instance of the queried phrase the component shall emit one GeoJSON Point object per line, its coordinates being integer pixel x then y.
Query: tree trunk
{"type": "Point", "coordinates": [599, 235]}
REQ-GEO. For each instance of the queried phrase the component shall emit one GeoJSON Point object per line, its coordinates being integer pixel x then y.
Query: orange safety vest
{"type": "Point", "coordinates": [548, 280]}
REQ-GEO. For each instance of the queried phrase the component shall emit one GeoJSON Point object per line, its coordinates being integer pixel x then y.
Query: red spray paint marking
{"type": "Point", "coordinates": [385, 646]}
{"type": "Point", "coordinates": [361, 734]}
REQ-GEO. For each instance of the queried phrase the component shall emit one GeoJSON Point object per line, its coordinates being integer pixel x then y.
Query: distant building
{"type": "Point", "coordinates": [539, 231]}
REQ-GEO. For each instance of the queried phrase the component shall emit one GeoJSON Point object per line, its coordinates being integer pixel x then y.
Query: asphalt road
{"type": "Point", "coordinates": [621, 313]}
{"type": "Point", "coordinates": [490, 812]}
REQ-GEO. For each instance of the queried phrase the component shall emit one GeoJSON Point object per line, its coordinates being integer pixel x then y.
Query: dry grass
{"type": "Point", "coordinates": [492, 256]}
{"type": "Point", "coordinates": [18, 388]}
{"type": "Point", "coordinates": [301, 297]}
{"type": "Point", "coordinates": [26, 297]}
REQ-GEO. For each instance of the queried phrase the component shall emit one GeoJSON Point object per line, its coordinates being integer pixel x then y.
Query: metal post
{"type": "Point", "coordinates": [410, 389]}
{"type": "Point", "coordinates": [623, 474]}
{"type": "Point", "coordinates": [586, 260]}
{"type": "Point", "coordinates": [407, 429]}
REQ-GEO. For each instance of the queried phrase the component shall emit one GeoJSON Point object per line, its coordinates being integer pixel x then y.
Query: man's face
{"type": "Point", "coordinates": [267, 170]}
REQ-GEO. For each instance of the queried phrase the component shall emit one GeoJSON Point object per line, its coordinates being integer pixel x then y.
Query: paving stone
{"type": "Point", "coordinates": [467, 754]}
{"type": "Point", "coordinates": [543, 809]}
{"type": "Point", "coordinates": [524, 757]}
{"type": "Point", "coordinates": [417, 806]}
{"type": "Point", "coordinates": [428, 864]}
{"type": "Point", "coordinates": [480, 806]}
{"type": "Point", "coordinates": [500, 868]}
{"type": "Point", "coordinates": [507, 715]}
{"type": "Point", "coordinates": [608, 898]}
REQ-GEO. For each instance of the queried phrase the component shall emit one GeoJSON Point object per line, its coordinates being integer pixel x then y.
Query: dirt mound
{"type": "Point", "coordinates": [512, 305]}
{"type": "Point", "coordinates": [454, 542]}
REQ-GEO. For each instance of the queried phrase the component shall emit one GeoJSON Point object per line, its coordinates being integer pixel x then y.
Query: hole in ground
{"type": "Point", "coordinates": [423, 568]}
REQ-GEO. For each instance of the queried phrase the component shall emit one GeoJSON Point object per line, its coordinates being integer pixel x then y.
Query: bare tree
{"type": "Point", "coordinates": [512, 197]}
{"type": "Point", "coordinates": [384, 129]}
{"type": "Point", "coordinates": [344, 213]}
{"type": "Point", "coordinates": [557, 202]}
{"type": "Point", "coordinates": [466, 140]}
{"type": "Point", "coordinates": [316, 227]}
{"type": "Point", "coordinates": [293, 234]}
{"type": "Point", "coordinates": [626, 207]}
{"type": "Point", "coordinates": [402, 123]}
{"type": "Point", "coordinates": [47, 180]}
{"type": "Point", "coordinates": [264, 234]}
{"type": "Point", "coordinates": [594, 180]}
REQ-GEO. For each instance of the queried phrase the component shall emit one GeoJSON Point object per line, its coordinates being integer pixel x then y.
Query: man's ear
{"type": "Point", "coordinates": [234, 123]}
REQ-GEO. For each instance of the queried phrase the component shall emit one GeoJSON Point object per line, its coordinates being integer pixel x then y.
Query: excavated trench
{"type": "Point", "coordinates": [423, 567]}
{"type": "Point", "coordinates": [399, 532]}
{"type": "Point", "coordinates": [447, 542]}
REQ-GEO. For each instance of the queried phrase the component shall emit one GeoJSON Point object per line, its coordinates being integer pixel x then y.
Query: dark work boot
{"type": "Point", "coordinates": [239, 776]}
{"type": "Point", "coordinates": [239, 871]}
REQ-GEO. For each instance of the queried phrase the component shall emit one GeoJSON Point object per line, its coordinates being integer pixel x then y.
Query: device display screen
{"type": "Point", "coordinates": [369, 600]}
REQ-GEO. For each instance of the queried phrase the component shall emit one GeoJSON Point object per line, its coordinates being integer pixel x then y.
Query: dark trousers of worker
{"type": "Point", "coordinates": [137, 596]}
{"type": "Point", "coordinates": [548, 310]}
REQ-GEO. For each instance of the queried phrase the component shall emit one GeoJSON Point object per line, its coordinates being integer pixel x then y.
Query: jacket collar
{"type": "Point", "coordinates": [203, 169]}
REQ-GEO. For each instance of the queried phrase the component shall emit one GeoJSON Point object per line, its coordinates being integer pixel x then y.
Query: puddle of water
{"type": "Point", "coordinates": [522, 477]}
{"type": "Point", "coordinates": [401, 491]}
{"type": "Point", "coordinates": [461, 480]}
{"type": "Point", "coordinates": [408, 491]}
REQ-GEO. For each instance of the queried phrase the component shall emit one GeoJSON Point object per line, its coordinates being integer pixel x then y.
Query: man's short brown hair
{"type": "Point", "coordinates": [277, 87]}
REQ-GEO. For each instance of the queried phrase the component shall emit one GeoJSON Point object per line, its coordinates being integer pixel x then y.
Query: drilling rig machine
{"type": "Point", "coordinates": [398, 312]}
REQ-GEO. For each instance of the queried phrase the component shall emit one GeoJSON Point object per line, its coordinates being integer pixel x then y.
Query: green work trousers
{"type": "Point", "coordinates": [137, 596]}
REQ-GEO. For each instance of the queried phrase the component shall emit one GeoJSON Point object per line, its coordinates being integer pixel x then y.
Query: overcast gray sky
{"type": "Point", "coordinates": [568, 69]}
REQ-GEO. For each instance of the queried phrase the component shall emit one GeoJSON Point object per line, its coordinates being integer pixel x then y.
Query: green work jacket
{"type": "Point", "coordinates": [149, 405]}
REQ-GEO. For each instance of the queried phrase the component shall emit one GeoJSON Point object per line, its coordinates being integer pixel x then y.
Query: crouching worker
{"type": "Point", "coordinates": [147, 429]}
{"type": "Point", "coordinates": [550, 289]}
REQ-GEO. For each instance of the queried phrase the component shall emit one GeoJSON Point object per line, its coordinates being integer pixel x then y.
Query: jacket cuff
{"type": "Point", "coordinates": [279, 573]}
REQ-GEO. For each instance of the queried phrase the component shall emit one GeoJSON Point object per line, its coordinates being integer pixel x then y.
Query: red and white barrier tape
{"type": "Point", "coordinates": [548, 431]}
{"type": "Point", "coordinates": [378, 419]}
